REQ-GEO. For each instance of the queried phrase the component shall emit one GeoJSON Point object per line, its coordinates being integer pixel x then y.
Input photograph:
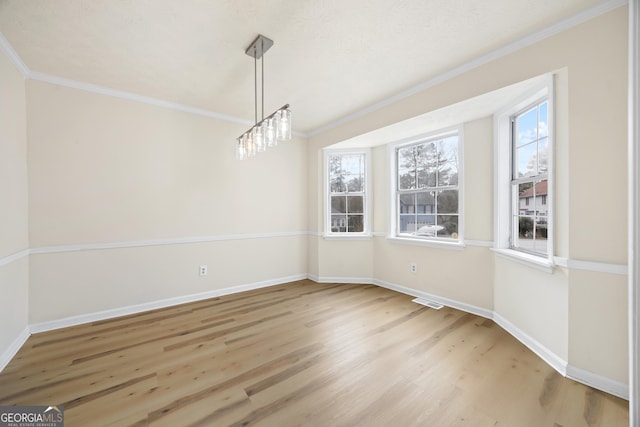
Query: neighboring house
{"type": "Point", "coordinates": [533, 201]}
{"type": "Point", "coordinates": [413, 217]}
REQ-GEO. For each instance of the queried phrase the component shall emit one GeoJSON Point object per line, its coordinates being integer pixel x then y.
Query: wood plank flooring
{"type": "Point", "coordinates": [299, 354]}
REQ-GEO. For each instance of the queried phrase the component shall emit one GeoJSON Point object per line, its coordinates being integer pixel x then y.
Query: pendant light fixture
{"type": "Point", "coordinates": [271, 129]}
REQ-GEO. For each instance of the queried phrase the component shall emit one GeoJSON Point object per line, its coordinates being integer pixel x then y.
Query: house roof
{"type": "Point", "coordinates": [540, 189]}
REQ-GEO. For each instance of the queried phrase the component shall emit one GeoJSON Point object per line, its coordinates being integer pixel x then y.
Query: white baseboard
{"type": "Point", "coordinates": [153, 305]}
{"type": "Point", "coordinates": [353, 280]}
{"type": "Point", "coordinates": [483, 312]}
{"type": "Point", "coordinates": [15, 346]}
{"type": "Point", "coordinates": [598, 381]}
{"type": "Point", "coordinates": [469, 308]}
{"type": "Point", "coordinates": [552, 359]}
{"type": "Point", "coordinates": [585, 377]}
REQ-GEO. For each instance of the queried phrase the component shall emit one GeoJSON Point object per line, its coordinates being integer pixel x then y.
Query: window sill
{"type": "Point", "coordinates": [347, 236]}
{"type": "Point", "coordinates": [526, 259]}
{"type": "Point", "coordinates": [452, 245]}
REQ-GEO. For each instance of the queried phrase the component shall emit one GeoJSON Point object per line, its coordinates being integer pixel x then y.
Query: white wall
{"type": "Point", "coordinates": [14, 237]}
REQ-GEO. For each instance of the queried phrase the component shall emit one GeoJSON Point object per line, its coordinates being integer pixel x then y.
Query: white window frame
{"type": "Point", "coordinates": [437, 242]}
{"type": "Point", "coordinates": [504, 203]}
{"type": "Point", "coordinates": [366, 233]}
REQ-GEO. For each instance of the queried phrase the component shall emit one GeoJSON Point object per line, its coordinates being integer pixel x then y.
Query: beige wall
{"type": "Point", "coordinates": [535, 301]}
{"type": "Point", "coordinates": [86, 282]}
{"type": "Point", "coordinates": [439, 270]}
{"type": "Point", "coordinates": [598, 323]}
{"type": "Point", "coordinates": [104, 170]}
{"type": "Point", "coordinates": [589, 61]}
{"type": "Point", "coordinates": [14, 237]}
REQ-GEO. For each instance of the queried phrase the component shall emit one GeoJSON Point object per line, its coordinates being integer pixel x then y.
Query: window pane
{"type": "Point", "coordinates": [346, 173]}
{"type": "Point", "coordinates": [407, 203]}
{"type": "Point", "coordinates": [542, 155]}
{"type": "Point", "coordinates": [524, 236]}
{"type": "Point", "coordinates": [338, 223]}
{"type": "Point", "coordinates": [447, 226]}
{"type": "Point", "coordinates": [338, 185]}
{"type": "Point", "coordinates": [448, 149]}
{"type": "Point", "coordinates": [427, 176]}
{"type": "Point", "coordinates": [525, 160]}
{"type": "Point", "coordinates": [543, 125]}
{"type": "Point", "coordinates": [334, 167]}
{"type": "Point", "coordinates": [352, 169]}
{"type": "Point", "coordinates": [355, 183]}
{"type": "Point", "coordinates": [531, 219]}
{"type": "Point", "coordinates": [426, 225]}
{"type": "Point", "coordinates": [407, 224]}
{"type": "Point", "coordinates": [427, 161]}
{"type": "Point", "coordinates": [425, 167]}
{"type": "Point", "coordinates": [525, 196]}
{"type": "Point", "coordinates": [352, 164]}
{"type": "Point", "coordinates": [526, 126]}
{"type": "Point", "coordinates": [338, 204]}
{"type": "Point", "coordinates": [425, 202]}
{"type": "Point", "coordinates": [448, 201]}
{"type": "Point", "coordinates": [540, 199]}
{"type": "Point", "coordinates": [354, 204]}
{"type": "Point", "coordinates": [356, 223]}
{"type": "Point", "coordinates": [540, 226]}
{"type": "Point", "coordinates": [531, 154]}
{"type": "Point", "coordinates": [407, 168]}
{"type": "Point", "coordinates": [448, 174]}
{"type": "Point", "coordinates": [346, 192]}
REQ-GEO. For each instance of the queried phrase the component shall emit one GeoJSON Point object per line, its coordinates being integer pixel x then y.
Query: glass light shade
{"type": "Point", "coordinates": [241, 152]}
{"type": "Point", "coordinates": [250, 145]}
{"type": "Point", "coordinates": [284, 125]}
{"type": "Point", "coordinates": [258, 138]}
{"type": "Point", "coordinates": [269, 133]}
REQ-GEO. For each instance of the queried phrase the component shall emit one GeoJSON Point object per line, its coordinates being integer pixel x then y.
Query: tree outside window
{"type": "Point", "coordinates": [427, 189]}
{"type": "Point", "coordinates": [347, 185]}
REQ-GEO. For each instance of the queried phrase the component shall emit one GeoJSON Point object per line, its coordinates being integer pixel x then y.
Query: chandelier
{"type": "Point", "coordinates": [271, 129]}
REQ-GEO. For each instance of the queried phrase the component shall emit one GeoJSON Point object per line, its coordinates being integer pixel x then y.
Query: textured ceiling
{"type": "Point", "coordinates": [331, 58]}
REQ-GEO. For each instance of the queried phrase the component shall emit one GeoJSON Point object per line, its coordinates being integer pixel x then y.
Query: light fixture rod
{"type": "Point", "coordinates": [262, 84]}
{"type": "Point", "coordinates": [255, 88]}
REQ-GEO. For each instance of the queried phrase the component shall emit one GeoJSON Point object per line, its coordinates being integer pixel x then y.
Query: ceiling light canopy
{"type": "Point", "coordinates": [271, 129]}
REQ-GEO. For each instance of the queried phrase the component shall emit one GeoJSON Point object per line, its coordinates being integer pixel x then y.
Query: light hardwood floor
{"type": "Point", "coordinates": [299, 354]}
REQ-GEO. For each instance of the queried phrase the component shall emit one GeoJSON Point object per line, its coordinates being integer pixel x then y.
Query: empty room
{"type": "Point", "coordinates": [319, 213]}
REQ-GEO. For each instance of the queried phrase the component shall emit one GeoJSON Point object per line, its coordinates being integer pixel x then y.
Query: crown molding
{"type": "Point", "coordinates": [577, 19]}
{"type": "Point", "coordinates": [13, 56]}
{"type": "Point", "coordinates": [15, 59]}
{"type": "Point", "coordinates": [595, 11]}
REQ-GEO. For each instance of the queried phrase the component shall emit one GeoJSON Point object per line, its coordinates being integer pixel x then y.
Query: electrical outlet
{"type": "Point", "coordinates": [413, 267]}
{"type": "Point", "coordinates": [203, 270]}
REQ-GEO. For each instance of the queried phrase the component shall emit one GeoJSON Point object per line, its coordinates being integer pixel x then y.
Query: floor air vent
{"type": "Point", "coordinates": [428, 303]}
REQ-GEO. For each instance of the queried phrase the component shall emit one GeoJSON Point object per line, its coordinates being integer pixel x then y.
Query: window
{"type": "Point", "coordinates": [427, 192]}
{"type": "Point", "coordinates": [346, 184]}
{"type": "Point", "coordinates": [524, 224]}
{"type": "Point", "coordinates": [529, 178]}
